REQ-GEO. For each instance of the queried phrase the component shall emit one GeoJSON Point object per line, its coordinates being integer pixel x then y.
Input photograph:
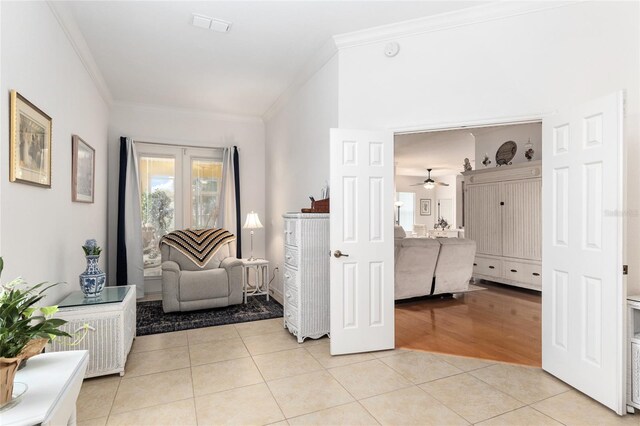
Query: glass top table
{"type": "Point", "coordinates": [109, 295]}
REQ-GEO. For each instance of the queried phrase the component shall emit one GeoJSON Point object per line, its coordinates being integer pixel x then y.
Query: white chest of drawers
{"type": "Point", "coordinates": [306, 274]}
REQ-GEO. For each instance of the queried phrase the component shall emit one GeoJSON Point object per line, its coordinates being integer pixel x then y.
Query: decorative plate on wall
{"type": "Point", "coordinates": [505, 153]}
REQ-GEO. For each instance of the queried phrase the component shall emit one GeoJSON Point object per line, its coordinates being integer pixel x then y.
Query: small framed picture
{"type": "Point", "coordinates": [83, 163]}
{"type": "Point", "coordinates": [425, 207]}
{"type": "Point", "coordinates": [29, 143]}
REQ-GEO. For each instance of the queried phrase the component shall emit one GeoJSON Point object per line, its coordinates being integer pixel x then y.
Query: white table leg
{"type": "Point", "coordinates": [245, 271]}
{"type": "Point", "coordinates": [265, 279]}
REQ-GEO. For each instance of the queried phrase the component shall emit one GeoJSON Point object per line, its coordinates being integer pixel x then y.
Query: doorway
{"type": "Point", "coordinates": [496, 316]}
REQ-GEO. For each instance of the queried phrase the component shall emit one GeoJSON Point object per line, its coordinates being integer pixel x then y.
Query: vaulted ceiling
{"type": "Point", "coordinates": [149, 53]}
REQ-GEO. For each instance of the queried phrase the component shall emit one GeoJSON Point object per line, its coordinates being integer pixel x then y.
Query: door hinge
{"type": "Point", "coordinates": [625, 269]}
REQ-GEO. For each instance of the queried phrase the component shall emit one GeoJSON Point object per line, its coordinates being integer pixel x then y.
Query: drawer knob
{"type": "Point", "coordinates": [475, 264]}
{"type": "Point", "coordinates": [492, 267]}
{"type": "Point", "coordinates": [288, 295]}
{"type": "Point", "coordinates": [288, 256]}
{"type": "Point", "coordinates": [535, 274]}
{"type": "Point", "coordinates": [514, 270]}
{"type": "Point", "coordinates": [288, 314]}
{"type": "Point", "coordinates": [287, 276]}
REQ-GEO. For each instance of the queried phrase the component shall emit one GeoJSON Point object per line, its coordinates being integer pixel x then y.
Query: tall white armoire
{"type": "Point", "coordinates": [503, 215]}
{"type": "Point", "coordinates": [306, 274]}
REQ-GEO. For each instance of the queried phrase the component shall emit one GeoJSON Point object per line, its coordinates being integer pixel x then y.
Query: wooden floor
{"type": "Point", "coordinates": [501, 323]}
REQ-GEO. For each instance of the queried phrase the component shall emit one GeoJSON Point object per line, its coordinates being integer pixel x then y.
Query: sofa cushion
{"type": "Point", "coordinates": [455, 264]}
{"type": "Point", "coordinates": [415, 264]}
{"type": "Point", "coordinates": [200, 285]}
{"type": "Point", "coordinates": [398, 232]}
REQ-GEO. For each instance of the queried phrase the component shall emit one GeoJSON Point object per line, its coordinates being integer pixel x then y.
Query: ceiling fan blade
{"type": "Point", "coordinates": [442, 184]}
{"type": "Point", "coordinates": [417, 184]}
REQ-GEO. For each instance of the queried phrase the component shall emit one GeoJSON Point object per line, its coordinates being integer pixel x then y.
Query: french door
{"type": "Point", "coordinates": [583, 292]}
{"type": "Point", "coordinates": [179, 188]}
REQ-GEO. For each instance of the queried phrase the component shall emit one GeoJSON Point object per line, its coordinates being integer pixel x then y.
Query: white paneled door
{"type": "Point", "coordinates": [583, 292]}
{"type": "Point", "coordinates": [362, 258]}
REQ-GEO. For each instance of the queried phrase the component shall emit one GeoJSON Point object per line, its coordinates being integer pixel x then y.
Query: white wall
{"type": "Point", "coordinates": [518, 66]}
{"type": "Point", "coordinates": [42, 230]}
{"type": "Point", "coordinates": [488, 140]}
{"type": "Point", "coordinates": [164, 125]}
{"type": "Point", "coordinates": [297, 157]}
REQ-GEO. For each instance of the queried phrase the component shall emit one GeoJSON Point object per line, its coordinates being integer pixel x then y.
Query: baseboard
{"type": "Point", "coordinates": [277, 294]}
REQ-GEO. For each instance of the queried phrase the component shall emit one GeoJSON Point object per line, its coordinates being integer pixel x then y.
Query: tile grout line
{"type": "Point", "coordinates": [263, 379]}
{"type": "Point", "coordinates": [193, 390]}
{"type": "Point", "coordinates": [443, 403]}
{"type": "Point", "coordinates": [545, 414]}
{"type": "Point", "coordinates": [146, 407]}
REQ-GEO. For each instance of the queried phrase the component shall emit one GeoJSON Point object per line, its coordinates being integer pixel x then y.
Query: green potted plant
{"type": "Point", "coordinates": [25, 328]}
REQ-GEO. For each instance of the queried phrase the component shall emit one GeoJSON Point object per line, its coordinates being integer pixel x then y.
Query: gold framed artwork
{"type": "Point", "coordinates": [29, 143]}
{"type": "Point", "coordinates": [83, 165]}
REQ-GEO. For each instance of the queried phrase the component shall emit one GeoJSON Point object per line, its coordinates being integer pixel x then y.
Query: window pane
{"type": "Point", "coordinates": [407, 210]}
{"type": "Point", "coordinates": [205, 183]}
{"type": "Point", "coordinates": [157, 193]}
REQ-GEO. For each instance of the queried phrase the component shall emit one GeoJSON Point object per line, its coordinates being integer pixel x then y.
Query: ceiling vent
{"type": "Point", "coordinates": [218, 25]}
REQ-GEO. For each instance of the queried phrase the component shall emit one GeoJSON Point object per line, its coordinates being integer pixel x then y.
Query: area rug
{"type": "Point", "coordinates": [152, 320]}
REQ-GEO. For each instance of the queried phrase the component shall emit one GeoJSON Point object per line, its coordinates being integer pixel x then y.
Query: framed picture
{"type": "Point", "coordinates": [29, 143]}
{"type": "Point", "coordinates": [425, 207]}
{"type": "Point", "coordinates": [83, 163]}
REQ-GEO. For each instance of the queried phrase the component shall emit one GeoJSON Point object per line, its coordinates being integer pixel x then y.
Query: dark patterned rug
{"type": "Point", "coordinates": [152, 320]}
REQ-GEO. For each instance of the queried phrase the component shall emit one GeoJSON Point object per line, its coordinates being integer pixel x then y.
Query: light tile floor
{"type": "Point", "coordinates": [257, 374]}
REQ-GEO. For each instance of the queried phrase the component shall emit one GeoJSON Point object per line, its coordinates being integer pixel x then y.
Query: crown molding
{"type": "Point", "coordinates": [72, 31]}
{"type": "Point", "coordinates": [323, 55]}
{"type": "Point", "coordinates": [444, 21]}
{"type": "Point", "coordinates": [232, 118]}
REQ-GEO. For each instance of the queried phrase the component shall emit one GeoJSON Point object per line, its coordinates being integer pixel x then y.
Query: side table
{"type": "Point", "coordinates": [112, 327]}
{"type": "Point", "coordinates": [261, 285]}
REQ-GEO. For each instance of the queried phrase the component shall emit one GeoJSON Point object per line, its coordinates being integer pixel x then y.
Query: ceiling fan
{"type": "Point", "coordinates": [430, 183]}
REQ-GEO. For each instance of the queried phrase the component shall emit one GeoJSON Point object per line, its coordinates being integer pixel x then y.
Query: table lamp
{"type": "Point", "coordinates": [252, 222]}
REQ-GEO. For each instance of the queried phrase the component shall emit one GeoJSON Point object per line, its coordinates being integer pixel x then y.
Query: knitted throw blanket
{"type": "Point", "coordinates": [199, 245]}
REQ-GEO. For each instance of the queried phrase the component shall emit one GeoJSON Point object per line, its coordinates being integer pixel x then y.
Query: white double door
{"type": "Point", "coordinates": [583, 294]}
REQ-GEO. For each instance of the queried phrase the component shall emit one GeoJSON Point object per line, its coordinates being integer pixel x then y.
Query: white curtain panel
{"type": "Point", "coordinates": [133, 222]}
{"type": "Point", "coordinates": [226, 211]}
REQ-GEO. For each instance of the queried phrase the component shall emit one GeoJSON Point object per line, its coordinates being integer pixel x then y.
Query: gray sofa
{"type": "Point", "coordinates": [187, 287]}
{"type": "Point", "coordinates": [425, 266]}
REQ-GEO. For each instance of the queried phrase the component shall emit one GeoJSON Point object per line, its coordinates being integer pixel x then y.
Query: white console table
{"type": "Point", "coordinates": [112, 318]}
{"type": "Point", "coordinates": [54, 381]}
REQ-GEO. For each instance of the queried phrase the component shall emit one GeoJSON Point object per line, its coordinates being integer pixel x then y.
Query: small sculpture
{"type": "Point", "coordinates": [528, 153]}
{"type": "Point", "coordinates": [486, 160]}
{"type": "Point", "coordinates": [441, 223]}
{"type": "Point", "coordinates": [467, 165]}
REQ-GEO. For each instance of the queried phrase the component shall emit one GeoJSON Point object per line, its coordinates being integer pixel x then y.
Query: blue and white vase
{"type": "Point", "coordinates": [92, 280]}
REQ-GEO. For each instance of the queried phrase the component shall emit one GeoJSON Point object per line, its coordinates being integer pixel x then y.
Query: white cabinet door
{"type": "Point", "coordinates": [522, 219]}
{"type": "Point", "coordinates": [362, 215]}
{"type": "Point", "coordinates": [483, 221]}
{"type": "Point", "coordinates": [583, 293]}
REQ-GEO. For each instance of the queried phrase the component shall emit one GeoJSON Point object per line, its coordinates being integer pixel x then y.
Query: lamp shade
{"type": "Point", "coordinates": [253, 221]}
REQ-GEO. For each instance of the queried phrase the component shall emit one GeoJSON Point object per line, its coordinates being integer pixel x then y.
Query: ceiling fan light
{"type": "Point", "coordinates": [429, 185]}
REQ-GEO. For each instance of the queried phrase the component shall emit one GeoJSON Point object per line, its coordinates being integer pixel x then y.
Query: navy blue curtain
{"type": "Point", "coordinates": [121, 265]}
{"type": "Point", "coordinates": [236, 178]}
